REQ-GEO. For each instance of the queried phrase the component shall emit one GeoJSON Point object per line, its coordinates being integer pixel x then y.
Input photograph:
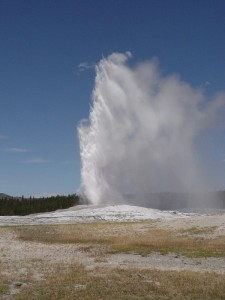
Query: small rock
{"type": "Point", "coordinates": [18, 284]}
{"type": "Point", "coordinates": [79, 286]}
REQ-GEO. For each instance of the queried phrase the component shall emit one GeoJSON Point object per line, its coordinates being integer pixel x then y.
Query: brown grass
{"type": "Point", "coordinates": [60, 281]}
{"type": "Point", "coordinates": [4, 285]}
{"type": "Point", "coordinates": [199, 230]}
{"type": "Point", "coordinates": [77, 283]}
{"type": "Point", "coordinates": [142, 238]}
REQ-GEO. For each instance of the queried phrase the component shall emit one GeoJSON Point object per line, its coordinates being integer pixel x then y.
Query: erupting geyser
{"type": "Point", "coordinates": [140, 135]}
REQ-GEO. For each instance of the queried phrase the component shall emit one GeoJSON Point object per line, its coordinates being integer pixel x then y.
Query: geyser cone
{"type": "Point", "coordinates": [140, 135]}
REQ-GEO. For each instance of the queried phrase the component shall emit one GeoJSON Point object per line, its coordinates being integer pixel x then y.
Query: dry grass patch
{"type": "Point", "coordinates": [4, 285]}
{"type": "Point", "coordinates": [199, 230]}
{"type": "Point", "coordinates": [142, 238]}
{"type": "Point", "coordinates": [77, 283]}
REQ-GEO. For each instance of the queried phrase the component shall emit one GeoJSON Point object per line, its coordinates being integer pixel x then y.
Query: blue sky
{"type": "Point", "coordinates": [47, 52]}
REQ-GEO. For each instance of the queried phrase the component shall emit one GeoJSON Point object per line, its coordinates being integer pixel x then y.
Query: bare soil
{"type": "Point", "coordinates": [21, 257]}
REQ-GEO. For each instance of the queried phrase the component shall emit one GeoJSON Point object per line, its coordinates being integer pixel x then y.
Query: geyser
{"type": "Point", "coordinates": [140, 136]}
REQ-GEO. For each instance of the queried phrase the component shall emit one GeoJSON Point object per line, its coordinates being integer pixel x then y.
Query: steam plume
{"type": "Point", "coordinates": [141, 131]}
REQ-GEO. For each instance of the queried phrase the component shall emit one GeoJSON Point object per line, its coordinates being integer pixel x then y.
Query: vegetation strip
{"type": "Point", "coordinates": [78, 283]}
{"type": "Point", "coordinates": [136, 237]}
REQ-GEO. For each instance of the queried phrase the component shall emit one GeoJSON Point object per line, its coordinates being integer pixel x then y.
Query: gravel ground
{"type": "Point", "coordinates": [22, 256]}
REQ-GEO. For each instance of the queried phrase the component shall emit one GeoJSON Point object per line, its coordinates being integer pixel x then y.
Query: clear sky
{"type": "Point", "coordinates": [47, 52]}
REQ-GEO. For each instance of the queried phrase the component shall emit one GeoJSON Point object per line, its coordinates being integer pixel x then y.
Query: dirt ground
{"type": "Point", "coordinates": [21, 257]}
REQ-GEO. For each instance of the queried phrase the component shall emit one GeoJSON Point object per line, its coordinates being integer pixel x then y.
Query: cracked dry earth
{"type": "Point", "coordinates": [21, 259]}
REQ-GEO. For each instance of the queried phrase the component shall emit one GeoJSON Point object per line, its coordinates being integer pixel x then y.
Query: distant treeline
{"type": "Point", "coordinates": [11, 206]}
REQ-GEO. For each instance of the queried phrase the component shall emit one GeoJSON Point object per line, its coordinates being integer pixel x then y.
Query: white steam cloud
{"type": "Point", "coordinates": [141, 130]}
